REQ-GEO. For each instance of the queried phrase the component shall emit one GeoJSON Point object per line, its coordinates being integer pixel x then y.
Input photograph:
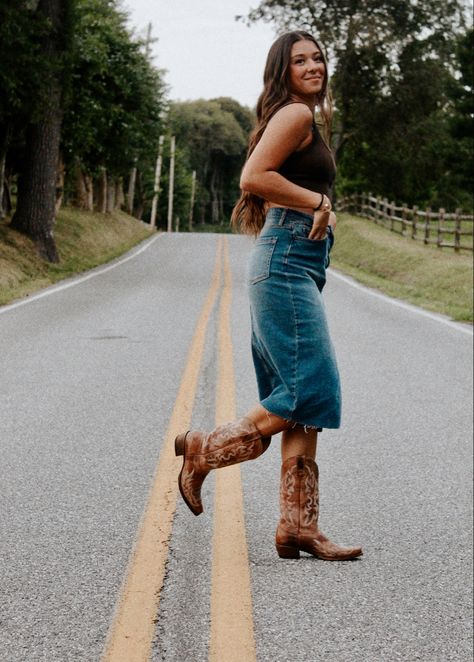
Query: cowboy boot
{"type": "Point", "coordinates": [299, 506]}
{"type": "Point", "coordinates": [228, 444]}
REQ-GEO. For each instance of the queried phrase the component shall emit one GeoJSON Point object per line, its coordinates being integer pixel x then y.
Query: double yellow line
{"type": "Point", "coordinates": [232, 633]}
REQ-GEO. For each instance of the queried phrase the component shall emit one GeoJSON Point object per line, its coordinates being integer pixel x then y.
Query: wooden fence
{"type": "Point", "coordinates": [445, 230]}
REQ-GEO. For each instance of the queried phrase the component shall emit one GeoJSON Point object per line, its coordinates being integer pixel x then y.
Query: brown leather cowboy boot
{"type": "Point", "coordinates": [299, 508]}
{"type": "Point", "coordinates": [228, 444]}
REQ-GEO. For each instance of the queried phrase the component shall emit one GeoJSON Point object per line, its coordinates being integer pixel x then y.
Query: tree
{"type": "Point", "coordinates": [364, 39]}
{"type": "Point", "coordinates": [391, 62]}
{"type": "Point", "coordinates": [461, 121]}
{"type": "Point", "coordinates": [76, 85]}
{"type": "Point", "coordinates": [36, 206]}
{"type": "Point", "coordinates": [23, 73]}
{"type": "Point", "coordinates": [399, 137]}
{"type": "Point", "coordinates": [113, 119]}
{"type": "Point", "coordinates": [215, 135]}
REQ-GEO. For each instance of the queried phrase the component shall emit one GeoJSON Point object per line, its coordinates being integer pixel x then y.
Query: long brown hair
{"type": "Point", "coordinates": [248, 214]}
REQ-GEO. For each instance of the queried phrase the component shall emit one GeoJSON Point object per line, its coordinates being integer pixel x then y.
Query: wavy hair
{"type": "Point", "coordinates": [248, 214]}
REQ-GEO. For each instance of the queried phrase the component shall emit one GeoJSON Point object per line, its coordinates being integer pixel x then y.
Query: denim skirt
{"type": "Point", "coordinates": [293, 355]}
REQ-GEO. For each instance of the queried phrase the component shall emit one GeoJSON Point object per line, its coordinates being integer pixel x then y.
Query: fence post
{"type": "Point", "coordinates": [439, 239]}
{"type": "Point", "coordinates": [404, 221]}
{"type": "Point", "coordinates": [427, 225]}
{"type": "Point", "coordinates": [385, 212]}
{"type": "Point", "coordinates": [457, 231]}
{"type": "Point", "coordinates": [415, 224]}
{"type": "Point", "coordinates": [366, 205]}
{"type": "Point", "coordinates": [378, 207]}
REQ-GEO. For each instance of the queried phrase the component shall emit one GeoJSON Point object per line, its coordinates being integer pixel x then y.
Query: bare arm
{"type": "Point", "coordinates": [287, 130]}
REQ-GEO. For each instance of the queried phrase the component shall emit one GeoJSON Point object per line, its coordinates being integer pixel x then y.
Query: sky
{"type": "Point", "coordinates": [205, 51]}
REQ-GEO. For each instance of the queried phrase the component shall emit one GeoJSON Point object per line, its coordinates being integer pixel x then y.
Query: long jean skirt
{"type": "Point", "coordinates": [293, 355]}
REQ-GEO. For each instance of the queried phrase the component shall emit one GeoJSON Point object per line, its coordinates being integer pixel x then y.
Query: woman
{"type": "Point", "coordinates": [285, 185]}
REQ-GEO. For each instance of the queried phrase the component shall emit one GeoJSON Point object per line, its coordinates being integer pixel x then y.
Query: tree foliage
{"type": "Point", "coordinates": [111, 97]}
{"type": "Point", "coordinates": [36, 207]}
{"type": "Point", "coordinates": [461, 118]}
{"type": "Point", "coordinates": [213, 135]}
{"type": "Point", "coordinates": [22, 70]}
{"type": "Point", "coordinates": [392, 63]}
{"type": "Point", "coordinates": [113, 116]}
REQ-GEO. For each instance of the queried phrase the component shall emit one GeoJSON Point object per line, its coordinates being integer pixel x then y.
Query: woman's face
{"type": "Point", "coordinates": [307, 70]}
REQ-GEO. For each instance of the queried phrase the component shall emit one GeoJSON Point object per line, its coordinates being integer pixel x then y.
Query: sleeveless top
{"type": "Point", "coordinates": [312, 167]}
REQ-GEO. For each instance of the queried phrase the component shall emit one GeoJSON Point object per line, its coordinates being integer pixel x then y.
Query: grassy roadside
{"type": "Point", "coordinates": [84, 240]}
{"type": "Point", "coordinates": [438, 280]}
{"type": "Point", "coordinates": [433, 278]}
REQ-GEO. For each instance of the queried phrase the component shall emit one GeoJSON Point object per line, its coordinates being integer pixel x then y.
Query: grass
{"type": "Point", "coordinates": [436, 279]}
{"type": "Point", "coordinates": [84, 240]}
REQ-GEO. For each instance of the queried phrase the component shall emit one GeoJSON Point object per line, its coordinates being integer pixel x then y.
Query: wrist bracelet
{"type": "Point", "coordinates": [320, 204]}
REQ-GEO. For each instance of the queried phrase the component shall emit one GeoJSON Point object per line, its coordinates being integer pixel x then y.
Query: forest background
{"type": "Point", "coordinates": [82, 108]}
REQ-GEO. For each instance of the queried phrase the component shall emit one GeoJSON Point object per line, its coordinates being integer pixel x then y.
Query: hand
{"type": "Point", "coordinates": [332, 219]}
{"type": "Point", "coordinates": [320, 224]}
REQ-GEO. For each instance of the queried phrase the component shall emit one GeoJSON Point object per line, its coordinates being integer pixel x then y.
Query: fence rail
{"type": "Point", "coordinates": [443, 229]}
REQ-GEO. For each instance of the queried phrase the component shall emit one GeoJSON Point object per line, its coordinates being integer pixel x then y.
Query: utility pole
{"type": "Point", "coordinates": [171, 188]}
{"type": "Point", "coordinates": [156, 190]}
{"type": "Point", "coordinates": [148, 42]}
{"type": "Point", "coordinates": [191, 206]}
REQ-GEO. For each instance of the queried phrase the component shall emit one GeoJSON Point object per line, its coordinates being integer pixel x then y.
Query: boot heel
{"type": "Point", "coordinates": [285, 552]}
{"type": "Point", "coordinates": [179, 444]}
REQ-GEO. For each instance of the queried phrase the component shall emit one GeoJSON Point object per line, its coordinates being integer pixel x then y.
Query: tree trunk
{"type": "Point", "coordinates": [202, 211]}
{"type": "Point", "coordinates": [342, 135]}
{"type": "Point", "coordinates": [82, 194]}
{"type": "Point", "coordinates": [120, 194]}
{"type": "Point", "coordinates": [110, 197]}
{"type": "Point", "coordinates": [3, 212]}
{"type": "Point", "coordinates": [35, 213]}
{"type": "Point", "coordinates": [139, 207]}
{"type": "Point", "coordinates": [7, 197]}
{"type": "Point", "coordinates": [131, 189]}
{"type": "Point", "coordinates": [102, 191]}
{"type": "Point", "coordinates": [4, 138]}
{"type": "Point", "coordinates": [89, 183]}
{"type": "Point", "coordinates": [214, 200]}
{"type": "Point", "coordinates": [220, 196]}
{"type": "Point", "coordinates": [60, 184]}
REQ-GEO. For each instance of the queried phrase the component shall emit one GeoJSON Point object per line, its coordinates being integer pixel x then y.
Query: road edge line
{"type": "Point", "coordinates": [71, 281]}
{"type": "Point", "coordinates": [437, 317]}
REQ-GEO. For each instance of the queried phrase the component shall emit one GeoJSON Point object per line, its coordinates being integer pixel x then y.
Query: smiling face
{"type": "Point", "coordinates": [307, 71]}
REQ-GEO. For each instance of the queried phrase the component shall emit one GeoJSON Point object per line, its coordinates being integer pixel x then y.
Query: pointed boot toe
{"type": "Point", "coordinates": [226, 445]}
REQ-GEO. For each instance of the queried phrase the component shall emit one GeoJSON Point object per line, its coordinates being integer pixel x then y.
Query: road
{"type": "Point", "coordinates": [98, 558]}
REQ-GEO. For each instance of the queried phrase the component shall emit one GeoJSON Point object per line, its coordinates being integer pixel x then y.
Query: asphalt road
{"type": "Point", "coordinates": [89, 378]}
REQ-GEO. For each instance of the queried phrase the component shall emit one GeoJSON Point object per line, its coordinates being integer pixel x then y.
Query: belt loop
{"type": "Point", "coordinates": [283, 216]}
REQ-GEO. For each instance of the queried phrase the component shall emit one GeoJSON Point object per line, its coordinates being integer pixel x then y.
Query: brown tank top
{"type": "Point", "coordinates": [312, 167]}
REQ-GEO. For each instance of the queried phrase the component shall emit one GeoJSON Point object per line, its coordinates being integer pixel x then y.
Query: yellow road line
{"type": "Point", "coordinates": [232, 632]}
{"type": "Point", "coordinates": [133, 628]}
